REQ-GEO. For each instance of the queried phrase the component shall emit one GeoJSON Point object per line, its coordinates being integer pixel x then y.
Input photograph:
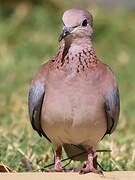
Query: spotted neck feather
{"type": "Point", "coordinates": [83, 57]}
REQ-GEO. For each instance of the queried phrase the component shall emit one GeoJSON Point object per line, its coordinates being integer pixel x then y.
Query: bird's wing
{"type": "Point", "coordinates": [112, 108]}
{"type": "Point", "coordinates": [35, 101]}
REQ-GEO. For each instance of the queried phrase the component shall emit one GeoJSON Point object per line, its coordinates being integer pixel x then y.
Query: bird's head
{"type": "Point", "coordinates": [77, 23]}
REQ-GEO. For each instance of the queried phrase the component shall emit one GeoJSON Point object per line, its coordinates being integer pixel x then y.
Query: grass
{"type": "Point", "coordinates": [28, 37]}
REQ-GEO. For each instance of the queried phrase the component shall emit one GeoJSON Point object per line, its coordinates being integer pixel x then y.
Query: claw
{"type": "Point", "coordinates": [54, 170]}
{"type": "Point", "coordinates": [86, 170]}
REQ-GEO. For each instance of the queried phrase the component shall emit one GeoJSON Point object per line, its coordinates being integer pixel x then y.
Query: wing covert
{"type": "Point", "coordinates": [112, 108]}
{"type": "Point", "coordinates": [35, 101]}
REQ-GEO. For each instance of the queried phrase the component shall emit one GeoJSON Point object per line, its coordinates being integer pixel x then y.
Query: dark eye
{"type": "Point", "coordinates": [84, 23]}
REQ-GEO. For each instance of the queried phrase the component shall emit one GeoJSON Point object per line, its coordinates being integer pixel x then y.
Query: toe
{"type": "Point", "coordinates": [86, 170]}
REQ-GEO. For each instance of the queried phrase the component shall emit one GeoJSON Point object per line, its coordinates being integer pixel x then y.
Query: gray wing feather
{"type": "Point", "coordinates": [112, 107]}
{"type": "Point", "coordinates": [35, 100]}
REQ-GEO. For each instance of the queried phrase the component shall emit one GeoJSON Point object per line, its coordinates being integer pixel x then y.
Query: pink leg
{"type": "Point", "coordinates": [57, 167]}
{"type": "Point", "coordinates": [90, 166]}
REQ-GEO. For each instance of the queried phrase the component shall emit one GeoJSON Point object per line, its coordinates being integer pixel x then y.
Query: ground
{"type": "Point", "coordinates": [122, 175]}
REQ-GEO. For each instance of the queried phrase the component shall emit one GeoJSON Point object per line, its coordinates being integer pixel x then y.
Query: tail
{"type": "Point", "coordinates": [76, 152]}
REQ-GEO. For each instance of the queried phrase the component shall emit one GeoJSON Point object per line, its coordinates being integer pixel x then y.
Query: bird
{"type": "Point", "coordinates": [74, 97]}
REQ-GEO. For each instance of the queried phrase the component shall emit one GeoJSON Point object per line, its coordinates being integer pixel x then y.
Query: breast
{"type": "Point", "coordinates": [73, 111]}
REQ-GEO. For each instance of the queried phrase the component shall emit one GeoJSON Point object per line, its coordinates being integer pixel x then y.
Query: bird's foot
{"type": "Point", "coordinates": [57, 167]}
{"type": "Point", "coordinates": [87, 170]}
{"type": "Point", "coordinates": [91, 165]}
{"type": "Point", "coordinates": [80, 170]}
{"type": "Point", "coordinates": [54, 170]}
{"type": "Point", "coordinates": [58, 170]}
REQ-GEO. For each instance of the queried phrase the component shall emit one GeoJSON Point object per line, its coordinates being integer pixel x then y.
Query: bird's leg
{"type": "Point", "coordinates": [90, 165]}
{"type": "Point", "coordinates": [57, 166]}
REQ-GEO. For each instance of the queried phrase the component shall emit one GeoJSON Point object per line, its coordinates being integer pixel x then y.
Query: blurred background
{"type": "Point", "coordinates": [29, 31]}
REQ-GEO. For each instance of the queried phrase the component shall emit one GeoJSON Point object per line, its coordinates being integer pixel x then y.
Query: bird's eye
{"type": "Point", "coordinates": [84, 23]}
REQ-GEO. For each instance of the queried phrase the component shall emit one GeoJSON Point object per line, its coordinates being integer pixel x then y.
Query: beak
{"type": "Point", "coordinates": [66, 31]}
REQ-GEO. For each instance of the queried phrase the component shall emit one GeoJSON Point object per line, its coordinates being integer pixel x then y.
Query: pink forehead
{"type": "Point", "coordinates": [75, 17]}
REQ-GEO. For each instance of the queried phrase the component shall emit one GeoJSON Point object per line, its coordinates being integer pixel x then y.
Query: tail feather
{"type": "Point", "coordinates": [76, 152]}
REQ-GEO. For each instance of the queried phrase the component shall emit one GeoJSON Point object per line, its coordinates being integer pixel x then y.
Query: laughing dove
{"type": "Point", "coordinates": [74, 98]}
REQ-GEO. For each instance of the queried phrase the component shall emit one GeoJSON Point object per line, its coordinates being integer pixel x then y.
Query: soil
{"type": "Point", "coordinates": [116, 175]}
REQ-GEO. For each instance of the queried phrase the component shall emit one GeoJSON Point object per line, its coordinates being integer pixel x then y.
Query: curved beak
{"type": "Point", "coordinates": [66, 31]}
